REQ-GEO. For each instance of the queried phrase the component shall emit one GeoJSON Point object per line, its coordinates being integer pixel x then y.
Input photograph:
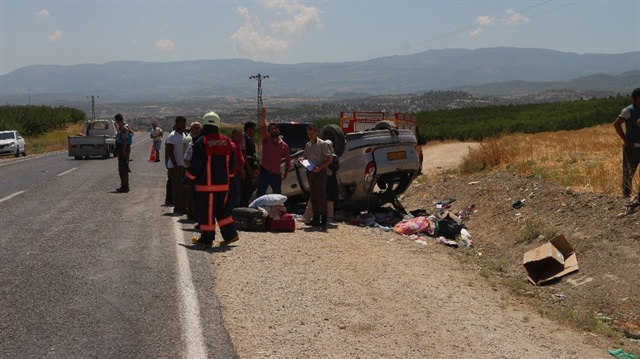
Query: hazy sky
{"type": "Point", "coordinates": [294, 31]}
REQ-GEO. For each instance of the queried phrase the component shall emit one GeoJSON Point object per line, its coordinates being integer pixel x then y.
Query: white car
{"type": "Point", "coordinates": [11, 143]}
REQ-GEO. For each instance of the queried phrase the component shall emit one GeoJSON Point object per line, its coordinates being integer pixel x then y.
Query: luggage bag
{"type": "Point", "coordinates": [248, 219]}
{"type": "Point", "coordinates": [286, 223]}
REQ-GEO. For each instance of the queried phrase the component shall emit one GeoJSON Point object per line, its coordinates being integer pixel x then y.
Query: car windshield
{"type": "Point", "coordinates": [6, 136]}
{"type": "Point", "coordinates": [99, 125]}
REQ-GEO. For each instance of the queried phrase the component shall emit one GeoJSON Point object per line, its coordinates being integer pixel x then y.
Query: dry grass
{"type": "Point", "coordinates": [587, 159]}
{"type": "Point", "coordinates": [52, 141]}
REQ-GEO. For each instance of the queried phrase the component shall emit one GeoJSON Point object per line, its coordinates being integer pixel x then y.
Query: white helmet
{"type": "Point", "coordinates": [211, 119]}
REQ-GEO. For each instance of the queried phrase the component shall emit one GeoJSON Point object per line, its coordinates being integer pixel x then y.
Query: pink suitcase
{"type": "Point", "coordinates": [286, 223]}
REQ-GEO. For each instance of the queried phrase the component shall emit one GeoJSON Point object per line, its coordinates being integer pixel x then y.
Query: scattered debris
{"type": "Point", "coordinates": [549, 261]}
{"type": "Point", "coordinates": [518, 204]}
{"type": "Point", "coordinates": [620, 354]}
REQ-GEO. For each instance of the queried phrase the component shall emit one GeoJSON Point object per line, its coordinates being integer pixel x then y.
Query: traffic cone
{"type": "Point", "coordinates": [152, 158]}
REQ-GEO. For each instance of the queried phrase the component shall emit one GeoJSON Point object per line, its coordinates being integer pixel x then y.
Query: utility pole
{"type": "Point", "coordinates": [259, 78]}
{"type": "Point", "coordinates": [93, 106]}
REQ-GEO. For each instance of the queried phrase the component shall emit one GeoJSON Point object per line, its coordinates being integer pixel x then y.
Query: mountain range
{"type": "Point", "coordinates": [487, 71]}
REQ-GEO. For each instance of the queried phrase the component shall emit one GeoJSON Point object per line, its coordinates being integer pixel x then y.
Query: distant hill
{"type": "Point", "coordinates": [483, 71]}
{"type": "Point", "coordinates": [623, 83]}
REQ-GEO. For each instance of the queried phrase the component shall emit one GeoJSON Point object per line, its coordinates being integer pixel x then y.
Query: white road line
{"type": "Point", "coordinates": [65, 172]}
{"type": "Point", "coordinates": [191, 327]}
{"type": "Point", "coordinates": [11, 196]}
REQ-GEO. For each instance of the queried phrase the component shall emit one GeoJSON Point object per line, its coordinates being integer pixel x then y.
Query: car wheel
{"type": "Point", "coordinates": [335, 135]}
{"type": "Point", "coordinates": [24, 152]}
{"type": "Point", "coordinates": [78, 157]}
{"type": "Point", "coordinates": [383, 125]}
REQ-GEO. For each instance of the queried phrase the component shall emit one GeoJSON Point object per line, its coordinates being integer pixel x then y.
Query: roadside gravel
{"type": "Point", "coordinates": [352, 292]}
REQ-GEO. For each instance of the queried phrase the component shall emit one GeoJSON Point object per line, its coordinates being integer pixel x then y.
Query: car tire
{"type": "Point", "coordinates": [335, 135]}
{"type": "Point", "coordinates": [78, 157]}
{"type": "Point", "coordinates": [24, 152]}
{"type": "Point", "coordinates": [383, 125]}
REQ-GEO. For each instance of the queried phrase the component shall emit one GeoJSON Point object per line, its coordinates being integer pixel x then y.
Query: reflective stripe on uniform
{"type": "Point", "coordinates": [226, 221]}
{"type": "Point", "coordinates": [212, 188]}
{"type": "Point", "coordinates": [208, 168]}
{"type": "Point", "coordinates": [207, 227]}
{"type": "Point", "coordinates": [210, 207]}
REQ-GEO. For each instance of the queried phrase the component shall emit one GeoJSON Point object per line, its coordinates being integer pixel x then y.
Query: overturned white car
{"type": "Point", "coordinates": [376, 165]}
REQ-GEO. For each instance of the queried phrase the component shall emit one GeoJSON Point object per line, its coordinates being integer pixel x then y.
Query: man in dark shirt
{"type": "Point", "coordinates": [250, 165]}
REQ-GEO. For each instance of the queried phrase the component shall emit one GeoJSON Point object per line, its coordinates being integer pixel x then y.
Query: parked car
{"type": "Point", "coordinates": [11, 143]}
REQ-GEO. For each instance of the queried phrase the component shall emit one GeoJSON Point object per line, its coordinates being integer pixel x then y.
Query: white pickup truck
{"type": "Point", "coordinates": [376, 165]}
{"type": "Point", "coordinates": [98, 138]}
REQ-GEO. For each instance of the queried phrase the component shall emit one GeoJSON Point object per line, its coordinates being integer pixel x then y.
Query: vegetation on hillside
{"type": "Point", "coordinates": [38, 120]}
{"type": "Point", "coordinates": [475, 124]}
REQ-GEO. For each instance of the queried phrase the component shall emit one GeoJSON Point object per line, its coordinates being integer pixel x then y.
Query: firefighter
{"type": "Point", "coordinates": [211, 167]}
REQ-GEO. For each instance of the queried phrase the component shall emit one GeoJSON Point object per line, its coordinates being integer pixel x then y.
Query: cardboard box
{"type": "Point", "coordinates": [550, 261]}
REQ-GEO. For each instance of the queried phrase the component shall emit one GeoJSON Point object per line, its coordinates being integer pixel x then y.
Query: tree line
{"type": "Point", "coordinates": [464, 124]}
{"type": "Point", "coordinates": [475, 124]}
{"type": "Point", "coordinates": [37, 120]}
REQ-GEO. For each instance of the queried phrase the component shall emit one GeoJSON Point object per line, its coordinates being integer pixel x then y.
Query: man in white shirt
{"type": "Point", "coordinates": [175, 165]}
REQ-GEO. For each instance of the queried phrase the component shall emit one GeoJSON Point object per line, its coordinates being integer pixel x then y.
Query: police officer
{"type": "Point", "coordinates": [212, 164]}
{"type": "Point", "coordinates": [124, 139]}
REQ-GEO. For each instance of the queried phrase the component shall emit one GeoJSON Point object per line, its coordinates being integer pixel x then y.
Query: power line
{"type": "Point", "coordinates": [259, 78]}
{"type": "Point", "coordinates": [93, 106]}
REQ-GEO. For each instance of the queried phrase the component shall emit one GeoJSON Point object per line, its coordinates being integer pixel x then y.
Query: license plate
{"type": "Point", "coordinates": [398, 155]}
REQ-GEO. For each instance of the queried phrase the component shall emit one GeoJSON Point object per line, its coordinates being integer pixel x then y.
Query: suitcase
{"type": "Point", "coordinates": [248, 219]}
{"type": "Point", "coordinates": [286, 223]}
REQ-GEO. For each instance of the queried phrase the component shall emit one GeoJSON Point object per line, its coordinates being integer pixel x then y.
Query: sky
{"type": "Point", "coordinates": [67, 32]}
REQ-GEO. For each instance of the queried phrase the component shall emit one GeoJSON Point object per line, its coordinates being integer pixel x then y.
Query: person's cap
{"type": "Point", "coordinates": [211, 119]}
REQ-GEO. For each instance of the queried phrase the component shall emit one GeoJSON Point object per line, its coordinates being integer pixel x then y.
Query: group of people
{"type": "Point", "coordinates": [209, 174]}
{"type": "Point", "coordinates": [222, 173]}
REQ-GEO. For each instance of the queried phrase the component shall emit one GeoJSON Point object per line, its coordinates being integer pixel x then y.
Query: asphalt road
{"type": "Point", "coordinates": [86, 272]}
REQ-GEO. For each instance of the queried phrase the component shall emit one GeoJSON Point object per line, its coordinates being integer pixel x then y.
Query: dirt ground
{"type": "Point", "coordinates": [355, 292]}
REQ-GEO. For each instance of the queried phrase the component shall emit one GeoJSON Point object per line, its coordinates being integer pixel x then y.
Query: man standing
{"type": "Point", "coordinates": [211, 166]}
{"type": "Point", "coordinates": [195, 130]}
{"type": "Point", "coordinates": [630, 116]}
{"type": "Point", "coordinates": [251, 163]}
{"type": "Point", "coordinates": [274, 149]}
{"type": "Point", "coordinates": [318, 155]}
{"type": "Point", "coordinates": [238, 175]}
{"type": "Point", "coordinates": [124, 139]}
{"type": "Point", "coordinates": [175, 165]}
{"type": "Point", "coordinates": [156, 136]}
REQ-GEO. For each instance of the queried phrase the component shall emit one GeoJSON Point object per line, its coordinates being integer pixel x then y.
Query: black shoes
{"type": "Point", "coordinates": [315, 221]}
{"type": "Point", "coordinates": [198, 242]}
{"type": "Point", "coordinates": [122, 189]}
{"type": "Point", "coordinates": [229, 241]}
{"type": "Point", "coordinates": [319, 221]}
